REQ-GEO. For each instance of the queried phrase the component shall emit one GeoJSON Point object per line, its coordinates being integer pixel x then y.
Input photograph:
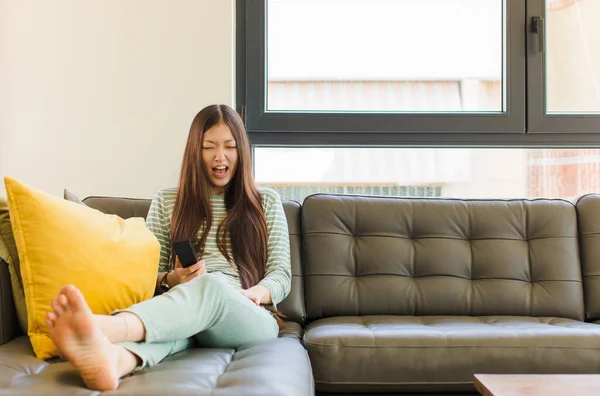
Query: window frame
{"type": "Point", "coordinates": [539, 121]}
{"type": "Point", "coordinates": [276, 129]}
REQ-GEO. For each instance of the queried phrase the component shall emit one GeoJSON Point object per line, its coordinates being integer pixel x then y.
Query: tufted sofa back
{"type": "Point", "coordinates": [588, 214]}
{"type": "Point", "coordinates": [394, 256]}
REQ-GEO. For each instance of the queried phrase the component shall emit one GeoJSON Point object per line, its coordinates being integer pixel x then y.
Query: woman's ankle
{"type": "Point", "coordinates": [134, 329]}
{"type": "Point", "coordinates": [123, 326]}
{"type": "Point", "coordinates": [112, 327]}
{"type": "Point", "coordinates": [127, 361]}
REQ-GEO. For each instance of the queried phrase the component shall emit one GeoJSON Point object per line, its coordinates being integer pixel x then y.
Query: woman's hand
{"type": "Point", "coordinates": [183, 275]}
{"type": "Point", "coordinates": [258, 294]}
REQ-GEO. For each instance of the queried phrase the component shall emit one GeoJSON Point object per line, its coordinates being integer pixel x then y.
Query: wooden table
{"type": "Point", "coordinates": [531, 384]}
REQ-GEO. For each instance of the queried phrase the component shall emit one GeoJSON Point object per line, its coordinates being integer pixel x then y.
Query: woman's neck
{"type": "Point", "coordinates": [217, 191]}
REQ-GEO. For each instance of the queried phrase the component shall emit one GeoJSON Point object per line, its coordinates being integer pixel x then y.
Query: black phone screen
{"type": "Point", "coordinates": [185, 251]}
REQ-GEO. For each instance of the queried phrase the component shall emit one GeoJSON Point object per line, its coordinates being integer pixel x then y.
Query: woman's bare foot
{"type": "Point", "coordinates": [80, 341]}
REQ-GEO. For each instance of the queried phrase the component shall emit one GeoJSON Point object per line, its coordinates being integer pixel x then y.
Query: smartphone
{"type": "Point", "coordinates": [186, 253]}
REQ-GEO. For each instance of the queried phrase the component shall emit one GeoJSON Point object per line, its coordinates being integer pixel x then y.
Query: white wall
{"type": "Point", "coordinates": [97, 95]}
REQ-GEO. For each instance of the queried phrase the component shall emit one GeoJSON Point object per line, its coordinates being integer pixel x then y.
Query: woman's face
{"type": "Point", "coordinates": [220, 156]}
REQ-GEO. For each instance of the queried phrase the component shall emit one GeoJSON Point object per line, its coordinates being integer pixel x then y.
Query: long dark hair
{"type": "Point", "coordinates": [244, 220]}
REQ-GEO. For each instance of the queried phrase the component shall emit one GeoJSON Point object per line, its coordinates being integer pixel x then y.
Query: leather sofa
{"type": "Point", "coordinates": [388, 295]}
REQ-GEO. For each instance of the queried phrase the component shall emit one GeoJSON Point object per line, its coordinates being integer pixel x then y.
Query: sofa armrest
{"type": "Point", "coordinates": [9, 325]}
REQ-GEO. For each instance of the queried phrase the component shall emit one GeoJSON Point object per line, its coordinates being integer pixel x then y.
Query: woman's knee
{"type": "Point", "coordinates": [213, 280]}
{"type": "Point", "coordinates": [214, 284]}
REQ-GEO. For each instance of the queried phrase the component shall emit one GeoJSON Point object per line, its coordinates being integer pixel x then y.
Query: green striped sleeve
{"type": "Point", "coordinates": [159, 225]}
{"type": "Point", "coordinates": [278, 272]}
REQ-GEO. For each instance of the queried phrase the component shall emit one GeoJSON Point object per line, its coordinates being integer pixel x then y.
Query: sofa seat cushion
{"type": "Point", "coordinates": [279, 367]}
{"type": "Point", "coordinates": [410, 353]}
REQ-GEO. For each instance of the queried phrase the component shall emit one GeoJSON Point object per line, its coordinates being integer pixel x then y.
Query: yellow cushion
{"type": "Point", "coordinates": [114, 262]}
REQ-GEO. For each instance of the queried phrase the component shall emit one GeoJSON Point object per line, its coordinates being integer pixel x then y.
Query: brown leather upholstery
{"type": "Point", "coordinates": [441, 353]}
{"type": "Point", "coordinates": [420, 294]}
{"type": "Point", "coordinates": [588, 213]}
{"type": "Point", "coordinates": [293, 330]}
{"type": "Point", "coordinates": [122, 207]}
{"type": "Point", "coordinates": [280, 367]}
{"type": "Point", "coordinates": [292, 307]}
{"type": "Point", "coordinates": [399, 295]}
{"type": "Point", "coordinates": [9, 326]}
{"type": "Point", "coordinates": [389, 256]}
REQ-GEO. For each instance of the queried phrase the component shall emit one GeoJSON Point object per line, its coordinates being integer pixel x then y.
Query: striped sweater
{"type": "Point", "coordinates": [278, 267]}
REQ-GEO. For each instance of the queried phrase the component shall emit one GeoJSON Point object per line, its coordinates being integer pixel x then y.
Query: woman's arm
{"type": "Point", "coordinates": [277, 282]}
{"type": "Point", "coordinates": [158, 224]}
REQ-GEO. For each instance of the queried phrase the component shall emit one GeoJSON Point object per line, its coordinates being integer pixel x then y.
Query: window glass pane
{"type": "Point", "coordinates": [386, 55]}
{"type": "Point", "coordinates": [463, 173]}
{"type": "Point", "coordinates": [573, 56]}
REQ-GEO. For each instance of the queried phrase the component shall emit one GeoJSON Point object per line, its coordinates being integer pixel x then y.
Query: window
{"type": "Point", "coordinates": [565, 68]}
{"type": "Point", "coordinates": [353, 57]}
{"type": "Point", "coordinates": [426, 172]}
{"type": "Point", "coordinates": [346, 66]}
{"type": "Point", "coordinates": [431, 98]}
{"type": "Point", "coordinates": [436, 73]}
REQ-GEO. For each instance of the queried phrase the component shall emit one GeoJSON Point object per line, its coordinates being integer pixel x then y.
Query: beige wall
{"type": "Point", "coordinates": [97, 96]}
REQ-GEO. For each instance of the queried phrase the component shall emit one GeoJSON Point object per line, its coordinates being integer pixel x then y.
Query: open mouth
{"type": "Point", "coordinates": [220, 171]}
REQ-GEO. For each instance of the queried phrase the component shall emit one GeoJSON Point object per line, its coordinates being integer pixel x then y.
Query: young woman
{"type": "Point", "coordinates": [241, 235]}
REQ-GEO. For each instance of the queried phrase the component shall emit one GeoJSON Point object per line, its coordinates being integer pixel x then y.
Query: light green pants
{"type": "Point", "coordinates": [206, 308]}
